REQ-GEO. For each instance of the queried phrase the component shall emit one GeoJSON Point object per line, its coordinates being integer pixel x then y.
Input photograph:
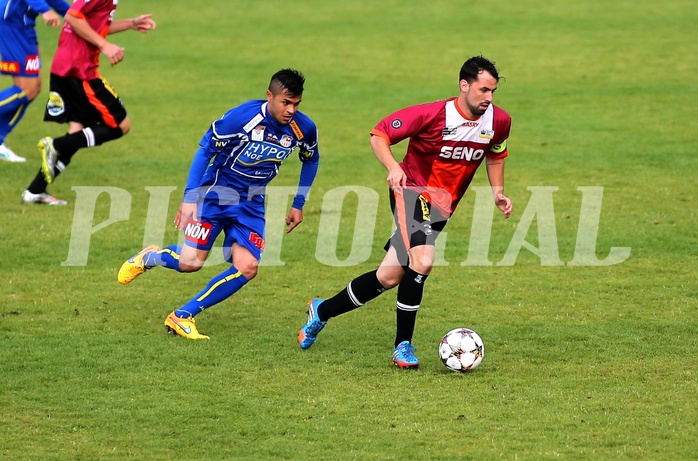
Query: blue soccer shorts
{"type": "Point", "coordinates": [19, 49]}
{"type": "Point", "coordinates": [241, 221]}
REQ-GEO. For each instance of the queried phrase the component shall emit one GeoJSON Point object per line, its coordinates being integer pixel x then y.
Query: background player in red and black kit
{"type": "Point", "coordinates": [79, 95]}
{"type": "Point", "coordinates": [449, 139]}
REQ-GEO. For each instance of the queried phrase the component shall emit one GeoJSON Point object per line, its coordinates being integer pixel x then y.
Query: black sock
{"type": "Point", "coordinates": [68, 144]}
{"type": "Point", "coordinates": [359, 291]}
{"type": "Point", "coordinates": [91, 136]}
{"type": "Point", "coordinates": [409, 297]}
{"type": "Point", "coordinates": [100, 134]}
{"type": "Point", "coordinates": [39, 184]}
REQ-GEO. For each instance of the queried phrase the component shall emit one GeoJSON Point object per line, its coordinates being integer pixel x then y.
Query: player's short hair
{"type": "Point", "coordinates": [289, 80]}
{"type": "Point", "coordinates": [476, 65]}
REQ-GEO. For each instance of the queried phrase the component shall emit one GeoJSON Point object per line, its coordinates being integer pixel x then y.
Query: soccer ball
{"type": "Point", "coordinates": [461, 349]}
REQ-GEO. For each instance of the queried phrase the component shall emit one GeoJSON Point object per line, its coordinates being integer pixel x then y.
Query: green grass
{"type": "Point", "coordinates": [581, 362]}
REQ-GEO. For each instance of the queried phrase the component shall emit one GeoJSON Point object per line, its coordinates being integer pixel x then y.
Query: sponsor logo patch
{"type": "Point", "coordinates": [449, 131]}
{"type": "Point", "coordinates": [258, 133]}
{"type": "Point", "coordinates": [461, 152]}
{"type": "Point", "coordinates": [426, 212]}
{"type": "Point", "coordinates": [257, 240]}
{"type": "Point", "coordinates": [32, 65]}
{"type": "Point", "coordinates": [296, 130]}
{"type": "Point", "coordinates": [55, 105]}
{"type": "Point", "coordinates": [396, 123]}
{"type": "Point", "coordinates": [197, 232]}
{"type": "Point", "coordinates": [9, 67]}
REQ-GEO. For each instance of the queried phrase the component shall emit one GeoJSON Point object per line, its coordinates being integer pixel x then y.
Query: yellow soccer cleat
{"type": "Point", "coordinates": [183, 327]}
{"type": "Point", "coordinates": [49, 157]}
{"type": "Point", "coordinates": [133, 267]}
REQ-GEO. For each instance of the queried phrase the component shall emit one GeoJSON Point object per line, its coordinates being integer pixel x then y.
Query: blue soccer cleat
{"type": "Point", "coordinates": [403, 355]}
{"type": "Point", "coordinates": [308, 334]}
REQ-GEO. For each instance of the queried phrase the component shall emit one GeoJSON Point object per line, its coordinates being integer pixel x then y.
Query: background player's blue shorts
{"type": "Point", "coordinates": [242, 222]}
{"type": "Point", "coordinates": [19, 49]}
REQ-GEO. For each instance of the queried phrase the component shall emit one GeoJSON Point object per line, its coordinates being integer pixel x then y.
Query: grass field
{"type": "Point", "coordinates": [582, 361]}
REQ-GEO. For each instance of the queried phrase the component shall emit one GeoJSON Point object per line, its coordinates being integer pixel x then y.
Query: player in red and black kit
{"type": "Point", "coordinates": [79, 95]}
{"type": "Point", "coordinates": [448, 140]}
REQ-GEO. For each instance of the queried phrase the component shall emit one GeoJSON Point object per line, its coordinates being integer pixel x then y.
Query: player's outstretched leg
{"type": "Point", "coordinates": [134, 266]}
{"type": "Point", "coordinates": [309, 332]}
{"type": "Point", "coordinates": [403, 355]}
{"type": "Point", "coordinates": [185, 327]}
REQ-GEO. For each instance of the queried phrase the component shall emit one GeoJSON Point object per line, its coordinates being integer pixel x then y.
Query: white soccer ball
{"type": "Point", "coordinates": [461, 349]}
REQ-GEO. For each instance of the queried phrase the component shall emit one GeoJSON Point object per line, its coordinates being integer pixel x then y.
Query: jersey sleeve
{"type": "Point", "coordinates": [309, 155]}
{"type": "Point", "coordinates": [40, 6]}
{"type": "Point", "coordinates": [401, 124]}
{"type": "Point", "coordinates": [502, 127]}
{"type": "Point", "coordinates": [211, 144]}
{"type": "Point", "coordinates": [59, 6]}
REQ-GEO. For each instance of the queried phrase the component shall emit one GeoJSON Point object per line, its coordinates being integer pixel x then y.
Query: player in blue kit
{"type": "Point", "coordinates": [19, 51]}
{"type": "Point", "coordinates": [238, 156]}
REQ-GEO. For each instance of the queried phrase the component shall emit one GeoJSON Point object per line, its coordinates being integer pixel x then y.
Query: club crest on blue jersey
{"type": "Point", "coordinates": [286, 141]}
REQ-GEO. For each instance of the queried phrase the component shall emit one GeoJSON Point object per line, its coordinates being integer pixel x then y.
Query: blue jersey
{"type": "Point", "coordinates": [23, 13]}
{"type": "Point", "coordinates": [243, 150]}
{"type": "Point", "coordinates": [19, 46]}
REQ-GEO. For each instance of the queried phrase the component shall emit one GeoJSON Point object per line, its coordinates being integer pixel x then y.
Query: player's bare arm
{"type": "Point", "coordinates": [142, 23]}
{"type": "Point", "coordinates": [294, 218]}
{"type": "Point", "coordinates": [185, 212]}
{"type": "Point", "coordinates": [80, 26]}
{"type": "Point", "coordinates": [52, 19]}
{"type": "Point", "coordinates": [381, 148]}
{"type": "Point", "coordinates": [495, 173]}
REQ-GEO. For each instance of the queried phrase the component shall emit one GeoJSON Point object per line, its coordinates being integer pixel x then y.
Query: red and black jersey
{"type": "Point", "coordinates": [76, 57]}
{"type": "Point", "coordinates": [445, 147]}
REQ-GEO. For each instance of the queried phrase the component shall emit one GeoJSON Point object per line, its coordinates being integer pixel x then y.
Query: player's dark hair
{"type": "Point", "coordinates": [290, 80]}
{"type": "Point", "coordinates": [476, 65]}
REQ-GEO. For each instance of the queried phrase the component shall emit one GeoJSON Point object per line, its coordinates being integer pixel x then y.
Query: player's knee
{"type": "Point", "coordinates": [249, 272]}
{"type": "Point", "coordinates": [419, 267]}
{"type": "Point", "coordinates": [125, 126]}
{"type": "Point", "coordinates": [422, 259]}
{"type": "Point", "coordinates": [30, 86]}
{"type": "Point", "coordinates": [389, 278]}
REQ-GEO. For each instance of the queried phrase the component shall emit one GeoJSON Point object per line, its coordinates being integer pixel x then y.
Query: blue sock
{"type": "Point", "coordinates": [13, 104]}
{"type": "Point", "coordinates": [167, 257]}
{"type": "Point", "coordinates": [221, 287]}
